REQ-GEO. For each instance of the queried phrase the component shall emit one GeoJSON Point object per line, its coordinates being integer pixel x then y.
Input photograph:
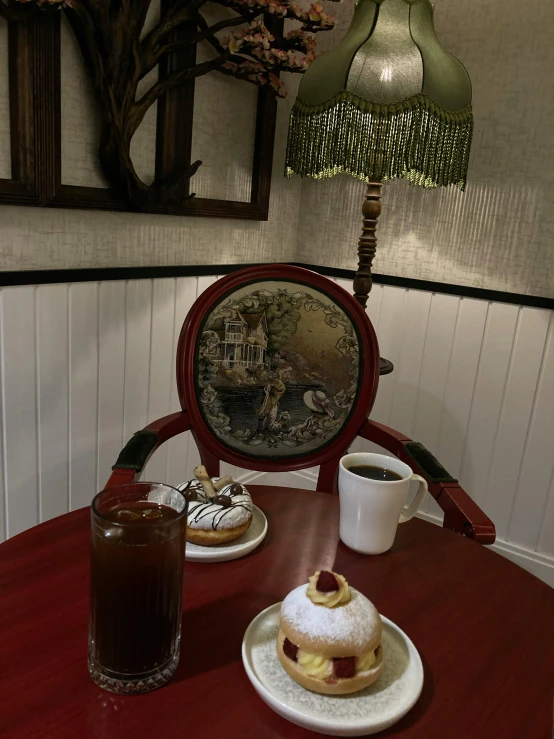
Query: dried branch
{"type": "Point", "coordinates": [179, 14]}
{"type": "Point", "coordinates": [5, 12]}
{"type": "Point", "coordinates": [12, 13]}
{"type": "Point", "coordinates": [157, 90]}
{"type": "Point", "coordinates": [206, 34]}
{"type": "Point", "coordinates": [141, 8]}
{"type": "Point", "coordinates": [170, 188]}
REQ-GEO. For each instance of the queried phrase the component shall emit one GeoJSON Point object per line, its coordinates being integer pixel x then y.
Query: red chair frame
{"type": "Point", "coordinates": [462, 514]}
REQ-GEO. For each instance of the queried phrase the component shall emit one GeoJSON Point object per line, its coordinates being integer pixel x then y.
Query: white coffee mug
{"type": "Point", "coordinates": [370, 510]}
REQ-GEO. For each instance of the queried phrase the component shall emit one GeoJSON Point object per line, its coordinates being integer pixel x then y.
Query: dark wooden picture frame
{"type": "Point", "coordinates": [36, 150]}
{"type": "Point", "coordinates": [24, 187]}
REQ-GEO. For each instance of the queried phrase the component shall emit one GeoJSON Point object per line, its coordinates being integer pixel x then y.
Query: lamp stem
{"type": "Point", "coordinates": [367, 244]}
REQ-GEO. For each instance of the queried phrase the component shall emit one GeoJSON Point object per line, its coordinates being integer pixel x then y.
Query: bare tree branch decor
{"type": "Point", "coordinates": [118, 55]}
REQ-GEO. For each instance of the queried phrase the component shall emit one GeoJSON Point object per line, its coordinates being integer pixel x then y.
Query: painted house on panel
{"type": "Point", "coordinates": [243, 341]}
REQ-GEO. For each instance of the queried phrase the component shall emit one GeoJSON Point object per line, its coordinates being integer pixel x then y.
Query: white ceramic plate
{"type": "Point", "coordinates": [367, 712]}
{"type": "Point", "coordinates": [234, 549]}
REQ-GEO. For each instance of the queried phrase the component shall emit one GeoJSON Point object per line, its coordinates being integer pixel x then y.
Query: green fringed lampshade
{"type": "Point", "coordinates": [389, 101]}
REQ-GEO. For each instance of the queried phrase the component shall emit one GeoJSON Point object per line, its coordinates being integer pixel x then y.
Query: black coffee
{"type": "Point", "coordinates": [375, 473]}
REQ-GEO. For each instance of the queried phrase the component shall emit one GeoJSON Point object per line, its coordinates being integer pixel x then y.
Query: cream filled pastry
{"type": "Point", "coordinates": [218, 518]}
{"type": "Point", "coordinates": [330, 636]}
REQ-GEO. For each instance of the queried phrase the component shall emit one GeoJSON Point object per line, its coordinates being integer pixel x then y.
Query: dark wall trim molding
{"type": "Point", "coordinates": [56, 276]}
{"type": "Point", "coordinates": [464, 291]}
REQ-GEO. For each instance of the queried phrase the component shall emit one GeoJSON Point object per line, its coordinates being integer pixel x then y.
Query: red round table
{"type": "Point", "coordinates": [483, 626]}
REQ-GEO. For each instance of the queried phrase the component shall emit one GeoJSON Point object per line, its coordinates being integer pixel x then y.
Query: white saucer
{"type": "Point", "coordinates": [367, 712]}
{"type": "Point", "coordinates": [234, 549]}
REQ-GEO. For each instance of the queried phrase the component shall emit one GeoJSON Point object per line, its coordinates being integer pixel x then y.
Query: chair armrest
{"type": "Point", "coordinates": [461, 513]}
{"type": "Point", "coordinates": [142, 445]}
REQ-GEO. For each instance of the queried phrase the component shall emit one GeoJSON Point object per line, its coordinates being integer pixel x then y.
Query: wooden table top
{"type": "Point", "coordinates": [482, 625]}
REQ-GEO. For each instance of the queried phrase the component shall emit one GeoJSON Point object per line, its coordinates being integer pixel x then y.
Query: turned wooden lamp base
{"type": "Point", "coordinates": [367, 246]}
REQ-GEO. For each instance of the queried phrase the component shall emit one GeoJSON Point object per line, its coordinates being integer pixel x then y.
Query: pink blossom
{"type": "Point", "coordinates": [306, 40]}
{"type": "Point", "coordinates": [234, 45]}
{"type": "Point", "coordinates": [276, 8]}
{"type": "Point", "coordinates": [277, 84]}
{"type": "Point", "coordinates": [298, 11]}
{"type": "Point", "coordinates": [316, 13]}
{"type": "Point", "coordinates": [262, 57]}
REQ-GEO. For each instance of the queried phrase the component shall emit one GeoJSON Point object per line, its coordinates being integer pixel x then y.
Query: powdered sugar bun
{"type": "Point", "coordinates": [349, 630]}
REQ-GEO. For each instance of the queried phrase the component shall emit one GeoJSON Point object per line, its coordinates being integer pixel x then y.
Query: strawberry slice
{"type": "Point", "coordinates": [291, 650]}
{"type": "Point", "coordinates": [344, 666]}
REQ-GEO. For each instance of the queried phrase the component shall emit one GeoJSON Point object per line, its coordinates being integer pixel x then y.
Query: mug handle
{"type": "Point", "coordinates": [409, 511]}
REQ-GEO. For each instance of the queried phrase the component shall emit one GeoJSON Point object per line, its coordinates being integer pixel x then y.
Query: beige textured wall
{"type": "Point", "coordinates": [500, 233]}
{"type": "Point", "coordinates": [497, 235]}
{"type": "Point", "coordinates": [44, 238]}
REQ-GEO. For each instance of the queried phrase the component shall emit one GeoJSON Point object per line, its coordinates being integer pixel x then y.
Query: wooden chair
{"type": "Point", "coordinates": [278, 369]}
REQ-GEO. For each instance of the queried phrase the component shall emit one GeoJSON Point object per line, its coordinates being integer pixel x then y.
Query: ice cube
{"type": "Point", "coordinates": [128, 514]}
{"type": "Point", "coordinates": [152, 513]}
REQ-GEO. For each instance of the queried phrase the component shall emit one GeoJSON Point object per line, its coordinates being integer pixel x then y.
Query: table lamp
{"type": "Point", "coordinates": [389, 101]}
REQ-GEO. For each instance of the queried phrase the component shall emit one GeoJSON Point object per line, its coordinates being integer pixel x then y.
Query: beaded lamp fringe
{"type": "Point", "coordinates": [414, 139]}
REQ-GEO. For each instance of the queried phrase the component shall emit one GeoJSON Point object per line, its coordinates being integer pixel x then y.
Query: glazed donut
{"type": "Point", "coordinates": [330, 636]}
{"type": "Point", "coordinates": [219, 519]}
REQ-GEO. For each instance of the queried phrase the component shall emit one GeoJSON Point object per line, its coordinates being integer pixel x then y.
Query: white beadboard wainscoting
{"type": "Point", "coordinates": [85, 365]}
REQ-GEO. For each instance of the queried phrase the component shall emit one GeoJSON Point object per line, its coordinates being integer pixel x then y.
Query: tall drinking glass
{"type": "Point", "coordinates": [138, 550]}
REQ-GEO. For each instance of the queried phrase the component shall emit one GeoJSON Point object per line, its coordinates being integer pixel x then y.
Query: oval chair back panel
{"type": "Point", "coordinates": [277, 367]}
